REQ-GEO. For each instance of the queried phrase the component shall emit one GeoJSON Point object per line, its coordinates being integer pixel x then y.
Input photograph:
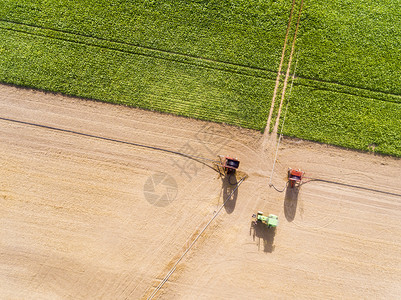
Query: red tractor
{"type": "Point", "coordinates": [295, 177]}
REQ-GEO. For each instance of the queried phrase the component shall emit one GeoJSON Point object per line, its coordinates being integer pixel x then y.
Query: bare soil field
{"type": "Point", "coordinates": [85, 213]}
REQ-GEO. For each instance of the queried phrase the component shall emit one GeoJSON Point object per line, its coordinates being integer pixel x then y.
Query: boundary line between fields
{"type": "Point", "coordinates": [165, 279]}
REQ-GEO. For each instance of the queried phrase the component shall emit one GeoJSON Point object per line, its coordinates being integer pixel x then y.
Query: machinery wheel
{"type": "Point", "coordinates": [232, 179]}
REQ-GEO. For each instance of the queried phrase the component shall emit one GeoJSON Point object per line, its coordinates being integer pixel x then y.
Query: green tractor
{"type": "Point", "coordinates": [270, 221]}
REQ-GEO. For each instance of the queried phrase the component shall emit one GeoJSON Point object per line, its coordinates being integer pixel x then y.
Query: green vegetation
{"type": "Point", "coordinates": [138, 80]}
{"type": "Point", "coordinates": [352, 42]}
{"type": "Point", "coordinates": [217, 60]}
{"type": "Point", "coordinates": [344, 120]}
{"type": "Point", "coordinates": [347, 90]}
{"type": "Point", "coordinates": [200, 59]}
{"type": "Point", "coordinates": [246, 32]}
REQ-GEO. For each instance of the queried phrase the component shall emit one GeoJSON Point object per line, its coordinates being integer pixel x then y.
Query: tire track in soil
{"type": "Point", "coordinates": [277, 84]}
{"type": "Point", "coordinates": [270, 143]}
{"type": "Point", "coordinates": [287, 75]}
{"type": "Point", "coordinates": [136, 49]}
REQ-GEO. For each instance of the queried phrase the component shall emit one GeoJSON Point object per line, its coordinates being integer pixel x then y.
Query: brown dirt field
{"type": "Point", "coordinates": [76, 221]}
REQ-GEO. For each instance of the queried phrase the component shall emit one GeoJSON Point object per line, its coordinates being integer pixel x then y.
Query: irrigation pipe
{"type": "Point", "coordinates": [352, 186]}
{"type": "Point", "coordinates": [194, 241]}
{"type": "Point", "coordinates": [197, 158]}
{"type": "Point", "coordinates": [281, 131]}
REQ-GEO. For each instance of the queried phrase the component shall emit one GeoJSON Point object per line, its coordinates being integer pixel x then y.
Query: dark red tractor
{"type": "Point", "coordinates": [295, 177]}
{"type": "Point", "coordinates": [228, 165]}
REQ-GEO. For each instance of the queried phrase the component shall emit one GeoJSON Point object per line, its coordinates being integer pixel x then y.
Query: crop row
{"type": "Point", "coordinates": [133, 49]}
{"type": "Point", "coordinates": [344, 120]}
{"type": "Point", "coordinates": [352, 42]}
{"type": "Point", "coordinates": [135, 80]}
{"type": "Point", "coordinates": [248, 33]}
{"type": "Point", "coordinates": [341, 88]}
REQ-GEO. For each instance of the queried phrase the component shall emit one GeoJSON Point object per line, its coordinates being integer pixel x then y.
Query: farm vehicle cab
{"type": "Point", "coordinates": [295, 177]}
{"type": "Point", "coordinates": [271, 221]}
{"type": "Point", "coordinates": [227, 165]}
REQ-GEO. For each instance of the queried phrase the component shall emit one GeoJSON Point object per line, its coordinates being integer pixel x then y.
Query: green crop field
{"type": "Point", "coordinates": [344, 120]}
{"type": "Point", "coordinates": [355, 43]}
{"type": "Point", "coordinates": [193, 58]}
{"type": "Point", "coordinates": [217, 60]}
{"type": "Point", "coordinates": [347, 91]}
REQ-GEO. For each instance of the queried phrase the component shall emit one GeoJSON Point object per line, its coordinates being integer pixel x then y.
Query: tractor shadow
{"type": "Point", "coordinates": [229, 184]}
{"type": "Point", "coordinates": [263, 235]}
{"type": "Point", "coordinates": [290, 203]}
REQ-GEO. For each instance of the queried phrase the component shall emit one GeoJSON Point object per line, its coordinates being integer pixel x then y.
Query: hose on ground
{"type": "Point", "coordinates": [280, 191]}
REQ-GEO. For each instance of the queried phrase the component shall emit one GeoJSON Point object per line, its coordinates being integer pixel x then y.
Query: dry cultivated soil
{"type": "Point", "coordinates": [85, 213]}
